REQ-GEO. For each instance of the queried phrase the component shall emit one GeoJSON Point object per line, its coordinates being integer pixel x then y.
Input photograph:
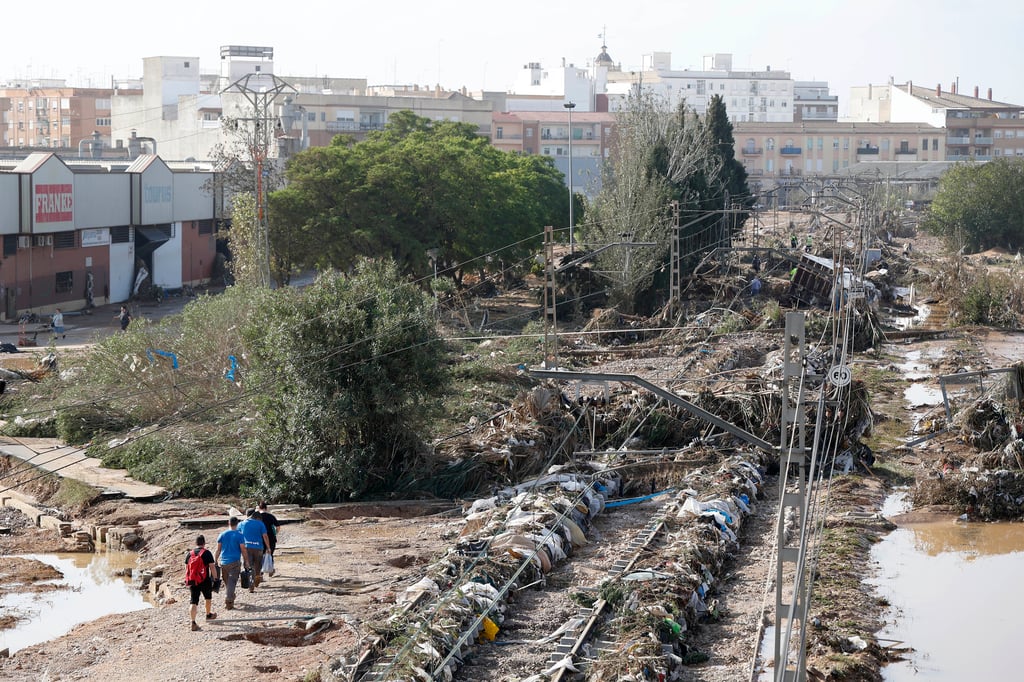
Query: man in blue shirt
{"type": "Point", "coordinates": [232, 556]}
{"type": "Point", "coordinates": [255, 534]}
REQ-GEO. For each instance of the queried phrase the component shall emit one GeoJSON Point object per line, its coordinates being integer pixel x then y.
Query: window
{"type": "Point", "coordinates": [311, 116]}
{"type": "Point", "coordinates": [1010, 134]}
{"type": "Point", "coordinates": [529, 132]}
{"type": "Point", "coordinates": [529, 150]}
{"type": "Point", "coordinates": [10, 244]}
{"type": "Point", "coordinates": [103, 122]}
{"type": "Point", "coordinates": [103, 104]}
{"type": "Point", "coordinates": [546, 151]}
{"type": "Point", "coordinates": [885, 144]}
{"type": "Point", "coordinates": [65, 121]}
{"type": "Point", "coordinates": [835, 144]}
{"type": "Point", "coordinates": [65, 282]}
{"type": "Point", "coordinates": [500, 133]}
{"type": "Point", "coordinates": [205, 227]}
{"type": "Point", "coordinates": [323, 116]}
{"type": "Point", "coordinates": [810, 144]}
{"type": "Point", "coordinates": [64, 240]}
{"type": "Point", "coordinates": [821, 144]}
{"type": "Point", "coordinates": [770, 143]}
{"type": "Point", "coordinates": [935, 144]}
{"type": "Point", "coordinates": [120, 235]}
{"type": "Point", "coordinates": [846, 144]}
{"type": "Point", "coordinates": [997, 134]}
{"type": "Point", "coordinates": [187, 64]}
{"type": "Point", "coordinates": [701, 87]}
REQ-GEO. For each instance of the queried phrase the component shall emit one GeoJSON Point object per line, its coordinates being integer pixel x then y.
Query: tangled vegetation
{"type": "Point", "coordinates": [312, 394]}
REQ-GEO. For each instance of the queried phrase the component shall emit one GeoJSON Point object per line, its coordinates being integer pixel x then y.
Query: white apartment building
{"type": "Point", "coordinates": [750, 96]}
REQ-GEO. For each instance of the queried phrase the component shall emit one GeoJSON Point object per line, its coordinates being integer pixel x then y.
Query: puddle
{"type": "Point", "coordinates": [914, 367]}
{"type": "Point", "coordinates": [922, 395]}
{"type": "Point", "coordinates": [950, 586]}
{"type": "Point", "coordinates": [88, 591]}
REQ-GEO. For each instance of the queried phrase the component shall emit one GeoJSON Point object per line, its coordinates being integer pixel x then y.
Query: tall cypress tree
{"type": "Point", "coordinates": [733, 175]}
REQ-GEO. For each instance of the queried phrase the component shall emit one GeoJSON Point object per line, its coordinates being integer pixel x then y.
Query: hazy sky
{"type": "Point", "coordinates": [845, 42]}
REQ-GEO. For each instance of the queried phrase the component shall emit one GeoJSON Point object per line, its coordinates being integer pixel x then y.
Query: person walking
{"type": "Point", "coordinates": [199, 565]}
{"type": "Point", "coordinates": [755, 286]}
{"type": "Point", "coordinates": [124, 317]}
{"type": "Point", "coordinates": [755, 263]}
{"type": "Point", "coordinates": [255, 535]}
{"type": "Point", "coordinates": [270, 522]}
{"type": "Point", "coordinates": [58, 324]}
{"type": "Point", "coordinates": [231, 557]}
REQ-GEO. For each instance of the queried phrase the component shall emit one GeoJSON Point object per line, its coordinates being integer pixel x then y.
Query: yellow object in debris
{"type": "Point", "coordinates": [490, 630]}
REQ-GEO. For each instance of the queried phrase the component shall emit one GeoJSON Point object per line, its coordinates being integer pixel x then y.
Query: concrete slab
{"type": "Point", "coordinates": [50, 454]}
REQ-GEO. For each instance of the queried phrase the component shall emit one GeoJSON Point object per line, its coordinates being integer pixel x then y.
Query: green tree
{"type": "Point", "coordinates": [659, 156]}
{"type": "Point", "coordinates": [980, 205]}
{"type": "Point", "coordinates": [732, 176]}
{"type": "Point", "coordinates": [414, 186]}
{"type": "Point", "coordinates": [342, 369]}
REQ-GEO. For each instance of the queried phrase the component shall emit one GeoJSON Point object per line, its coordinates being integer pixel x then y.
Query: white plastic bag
{"type": "Point", "coordinates": [268, 564]}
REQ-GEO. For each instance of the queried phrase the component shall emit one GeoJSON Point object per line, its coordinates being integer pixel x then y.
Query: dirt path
{"type": "Point", "coordinates": [347, 570]}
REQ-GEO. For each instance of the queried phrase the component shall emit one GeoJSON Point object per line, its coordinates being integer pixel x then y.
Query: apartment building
{"type": "Point", "coordinates": [750, 96]}
{"type": "Point", "coordinates": [49, 114]}
{"type": "Point", "coordinates": [974, 127]}
{"type": "Point", "coordinates": [548, 133]}
{"type": "Point", "coordinates": [183, 112]}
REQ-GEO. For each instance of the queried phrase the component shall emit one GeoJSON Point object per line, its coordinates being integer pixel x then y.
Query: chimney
{"type": "Point", "coordinates": [975, 92]}
{"type": "Point", "coordinates": [990, 94]}
{"type": "Point", "coordinates": [952, 88]}
{"type": "Point", "coordinates": [938, 90]}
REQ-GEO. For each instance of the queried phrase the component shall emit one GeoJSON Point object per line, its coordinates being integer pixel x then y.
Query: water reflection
{"type": "Point", "coordinates": [952, 595]}
{"type": "Point", "coordinates": [88, 591]}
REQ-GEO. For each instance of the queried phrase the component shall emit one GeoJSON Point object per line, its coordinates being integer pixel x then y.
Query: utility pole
{"type": "Point", "coordinates": [675, 291]}
{"type": "Point", "coordinates": [550, 301]}
{"type": "Point", "coordinates": [572, 224]}
{"type": "Point", "coordinates": [261, 98]}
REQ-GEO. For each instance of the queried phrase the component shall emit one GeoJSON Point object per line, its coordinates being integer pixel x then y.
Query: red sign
{"type": "Point", "coordinates": [53, 203]}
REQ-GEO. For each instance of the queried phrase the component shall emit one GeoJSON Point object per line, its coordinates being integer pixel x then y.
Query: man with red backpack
{"type": "Point", "coordinates": [199, 578]}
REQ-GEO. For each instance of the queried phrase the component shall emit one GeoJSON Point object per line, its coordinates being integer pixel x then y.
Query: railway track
{"type": "Point", "coordinates": [548, 622]}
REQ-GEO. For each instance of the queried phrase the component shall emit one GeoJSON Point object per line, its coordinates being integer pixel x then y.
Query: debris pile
{"type": "Point", "coordinates": [510, 540]}
{"type": "Point", "coordinates": [666, 596]}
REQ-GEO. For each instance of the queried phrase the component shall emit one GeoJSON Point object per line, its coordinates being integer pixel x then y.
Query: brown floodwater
{"type": "Point", "coordinates": [87, 591]}
{"type": "Point", "coordinates": [955, 598]}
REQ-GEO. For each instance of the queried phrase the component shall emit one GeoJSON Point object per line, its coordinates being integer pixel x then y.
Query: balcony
{"type": "Point", "coordinates": [790, 151]}
{"type": "Point", "coordinates": [752, 151]}
{"type": "Point", "coordinates": [865, 151]}
{"type": "Point", "coordinates": [983, 140]}
{"type": "Point", "coordinates": [958, 140]}
{"type": "Point", "coordinates": [790, 172]}
{"type": "Point", "coordinates": [909, 150]}
{"type": "Point", "coordinates": [755, 172]}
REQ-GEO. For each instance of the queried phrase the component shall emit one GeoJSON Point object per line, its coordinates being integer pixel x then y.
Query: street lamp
{"type": "Point", "coordinates": [570, 106]}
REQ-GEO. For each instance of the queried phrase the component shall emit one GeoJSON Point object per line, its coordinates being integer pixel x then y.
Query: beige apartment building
{"type": "Point", "coordinates": [975, 127]}
{"type": "Point", "coordinates": [770, 150]}
{"type": "Point", "coordinates": [47, 114]}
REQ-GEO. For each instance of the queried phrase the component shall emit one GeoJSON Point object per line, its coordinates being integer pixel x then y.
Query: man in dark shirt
{"type": "Point", "coordinates": [270, 521]}
{"type": "Point", "coordinates": [205, 586]}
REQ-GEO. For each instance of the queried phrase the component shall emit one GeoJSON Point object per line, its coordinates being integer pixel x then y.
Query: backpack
{"type": "Point", "coordinates": [195, 568]}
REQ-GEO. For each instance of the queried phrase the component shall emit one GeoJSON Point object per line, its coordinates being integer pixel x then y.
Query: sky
{"type": "Point", "coordinates": [484, 45]}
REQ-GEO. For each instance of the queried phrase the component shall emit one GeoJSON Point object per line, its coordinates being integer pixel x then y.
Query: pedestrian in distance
{"type": "Point", "coordinates": [57, 323]}
{"type": "Point", "coordinates": [199, 568]}
{"type": "Point", "coordinates": [255, 535]}
{"type": "Point", "coordinates": [232, 558]}
{"type": "Point", "coordinates": [755, 286]}
{"type": "Point", "coordinates": [270, 522]}
{"type": "Point", "coordinates": [810, 243]}
{"type": "Point", "coordinates": [755, 263]}
{"type": "Point", "coordinates": [792, 241]}
{"type": "Point", "coordinates": [124, 317]}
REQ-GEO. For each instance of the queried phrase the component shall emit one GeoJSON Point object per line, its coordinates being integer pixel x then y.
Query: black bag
{"type": "Point", "coordinates": [216, 584]}
{"type": "Point", "coordinates": [246, 578]}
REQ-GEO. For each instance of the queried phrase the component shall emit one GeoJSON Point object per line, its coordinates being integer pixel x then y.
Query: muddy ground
{"type": "Point", "coordinates": [352, 569]}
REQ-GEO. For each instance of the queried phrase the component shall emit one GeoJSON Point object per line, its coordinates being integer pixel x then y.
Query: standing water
{"type": "Point", "coordinates": [953, 591]}
{"type": "Point", "coordinates": [87, 591]}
